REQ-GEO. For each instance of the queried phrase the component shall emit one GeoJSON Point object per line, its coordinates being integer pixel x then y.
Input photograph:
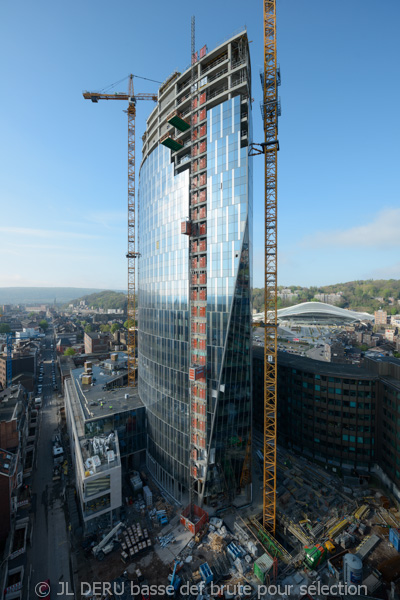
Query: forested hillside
{"type": "Point", "coordinates": [106, 299]}
{"type": "Point", "coordinates": [368, 296]}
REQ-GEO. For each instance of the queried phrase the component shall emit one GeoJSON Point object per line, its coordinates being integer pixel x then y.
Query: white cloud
{"type": "Point", "coordinates": [382, 232]}
{"type": "Point", "coordinates": [45, 233]}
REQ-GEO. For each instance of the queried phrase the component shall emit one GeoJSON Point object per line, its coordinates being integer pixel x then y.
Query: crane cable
{"type": "Point", "coordinates": [112, 85]}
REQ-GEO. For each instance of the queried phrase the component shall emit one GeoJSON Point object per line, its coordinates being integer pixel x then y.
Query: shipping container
{"type": "Point", "coordinates": [394, 538]}
{"type": "Point", "coordinates": [262, 566]}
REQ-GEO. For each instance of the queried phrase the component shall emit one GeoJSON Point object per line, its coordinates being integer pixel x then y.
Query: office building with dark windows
{"type": "Point", "coordinates": [194, 314]}
{"type": "Point", "coordinates": [344, 416]}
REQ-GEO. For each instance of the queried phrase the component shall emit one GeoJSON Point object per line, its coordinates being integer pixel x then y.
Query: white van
{"type": "Point", "coordinates": [38, 402]}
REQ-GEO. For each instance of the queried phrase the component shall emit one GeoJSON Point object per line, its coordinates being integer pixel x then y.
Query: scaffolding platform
{"type": "Point", "coordinates": [170, 142]}
{"type": "Point", "coordinates": [178, 121]}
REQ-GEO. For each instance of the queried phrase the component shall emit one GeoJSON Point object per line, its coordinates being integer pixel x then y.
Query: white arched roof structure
{"type": "Point", "coordinates": [321, 312]}
{"type": "Point", "coordinates": [318, 312]}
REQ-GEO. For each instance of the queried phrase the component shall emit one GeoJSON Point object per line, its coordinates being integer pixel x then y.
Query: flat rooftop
{"type": "Point", "coordinates": [317, 366]}
{"type": "Point", "coordinates": [96, 401]}
{"type": "Point", "coordinates": [120, 363]}
{"type": "Point", "coordinates": [66, 364]}
{"type": "Point", "coordinates": [391, 381]}
{"type": "Point", "coordinates": [9, 399]}
{"type": "Point", "coordinates": [99, 452]}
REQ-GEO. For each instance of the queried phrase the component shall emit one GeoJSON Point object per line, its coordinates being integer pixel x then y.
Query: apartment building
{"type": "Point", "coordinates": [96, 342]}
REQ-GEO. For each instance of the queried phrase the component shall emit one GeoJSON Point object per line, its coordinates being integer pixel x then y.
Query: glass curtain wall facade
{"type": "Point", "coordinates": [163, 318]}
{"type": "Point", "coordinates": [229, 220]}
{"type": "Point", "coordinates": [164, 321]}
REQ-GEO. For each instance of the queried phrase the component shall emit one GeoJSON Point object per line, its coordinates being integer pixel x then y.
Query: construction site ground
{"type": "Point", "coordinates": [310, 499]}
{"type": "Point", "coordinates": [154, 563]}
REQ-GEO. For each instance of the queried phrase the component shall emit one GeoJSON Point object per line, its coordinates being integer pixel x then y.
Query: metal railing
{"type": "Point", "coordinates": [215, 63]}
{"type": "Point", "coordinates": [236, 64]}
{"type": "Point", "coordinates": [218, 91]}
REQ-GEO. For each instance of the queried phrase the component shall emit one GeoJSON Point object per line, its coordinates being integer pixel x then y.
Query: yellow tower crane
{"type": "Point", "coordinates": [270, 111]}
{"type": "Point", "coordinates": [131, 255]}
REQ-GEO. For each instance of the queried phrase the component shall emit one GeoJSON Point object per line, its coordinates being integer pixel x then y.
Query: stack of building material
{"type": "Point", "coordinates": [234, 551]}
{"type": "Point", "coordinates": [166, 539]}
{"type": "Point", "coordinates": [148, 496]}
{"type": "Point", "coordinates": [163, 505]}
{"type": "Point", "coordinates": [362, 512]}
{"type": "Point", "coordinates": [135, 540]}
{"type": "Point", "coordinates": [317, 530]}
{"type": "Point", "coordinates": [240, 566]}
{"type": "Point", "coordinates": [367, 545]}
{"type": "Point", "coordinates": [136, 482]}
{"type": "Point", "coordinates": [216, 542]}
{"type": "Point", "coordinates": [337, 528]}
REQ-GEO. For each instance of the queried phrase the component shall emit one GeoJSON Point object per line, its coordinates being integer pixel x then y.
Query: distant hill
{"type": "Point", "coordinates": [106, 299]}
{"type": "Point", "coordinates": [363, 295]}
{"type": "Point", "coordinates": [42, 295]}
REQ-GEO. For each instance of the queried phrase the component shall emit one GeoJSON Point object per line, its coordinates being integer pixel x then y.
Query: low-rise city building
{"type": "Point", "coordinates": [17, 438]}
{"type": "Point", "coordinates": [330, 298]}
{"type": "Point", "coordinates": [106, 426]}
{"type": "Point", "coordinates": [380, 317]}
{"type": "Point", "coordinates": [96, 342]}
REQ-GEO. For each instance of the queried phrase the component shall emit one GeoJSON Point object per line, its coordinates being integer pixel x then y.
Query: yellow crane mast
{"type": "Point", "coordinates": [270, 110]}
{"type": "Point", "coordinates": [131, 255]}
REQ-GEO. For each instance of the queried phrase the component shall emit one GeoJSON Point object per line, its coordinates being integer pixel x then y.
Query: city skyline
{"type": "Point", "coordinates": [64, 189]}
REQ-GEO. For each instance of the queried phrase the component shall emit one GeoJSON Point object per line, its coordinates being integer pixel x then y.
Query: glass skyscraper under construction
{"type": "Point", "coordinates": [195, 229]}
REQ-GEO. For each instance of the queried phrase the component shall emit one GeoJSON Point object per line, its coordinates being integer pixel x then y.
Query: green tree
{"type": "Point", "coordinates": [105, 328]}
{"type": "Point", "coordinates": [393, 310]}
{"type": "Point", "coordinates": [88, 328]}
{"type": "Point", "coordinates": [4, 328]}
{"type": "Point", "coordinates": [115, 327]}
{"type": "Point", "coordinates": [31, 315]}
{"type": "Point", "coordinates": [129, 323]}
{"type": "Point", "coordinates": [43, 324]}
{"type": "Point", "coordinates": [387, 293]}
{"type": "Point", "coordinates": [69, 352]}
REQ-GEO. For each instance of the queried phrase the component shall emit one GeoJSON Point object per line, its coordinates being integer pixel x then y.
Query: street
{"type": "Point", "coordinates": [49, 555]}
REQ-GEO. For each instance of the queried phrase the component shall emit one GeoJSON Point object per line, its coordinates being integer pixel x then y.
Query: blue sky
{"type": "Point", "coordinates": [64, 160]}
